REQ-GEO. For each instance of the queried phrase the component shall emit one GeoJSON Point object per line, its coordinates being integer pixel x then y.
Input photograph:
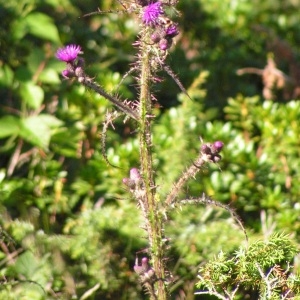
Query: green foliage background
{"type": "Point", "coordinates": [74, 229]}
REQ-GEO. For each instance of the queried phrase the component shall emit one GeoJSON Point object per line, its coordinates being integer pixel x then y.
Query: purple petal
{"type": "Point", "coordinates": [68, 53]}
{"type": "Point", "coordinates": [152, 12]}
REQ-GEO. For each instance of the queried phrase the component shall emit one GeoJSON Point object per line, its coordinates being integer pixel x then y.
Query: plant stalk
{"type": "Point", "coordinates": [152, 206]}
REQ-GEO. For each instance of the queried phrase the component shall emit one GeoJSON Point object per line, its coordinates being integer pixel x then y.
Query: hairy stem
{"type": "Point", "coordinates": [152, 213]}
{"type": "Point", "coordinates": [189, 173]}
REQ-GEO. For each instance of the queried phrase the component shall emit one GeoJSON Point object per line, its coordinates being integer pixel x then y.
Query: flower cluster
{"type": "Point", "coordinates": [145, 272]}
{"type": "Point", "coordinates": [164, 29]}
{"type": "Point", "coordinates": [134, 179]}
{"type": "Point", "coordinates": [69, 54]}
{"type": "Point", "coordinates": [212, 151]}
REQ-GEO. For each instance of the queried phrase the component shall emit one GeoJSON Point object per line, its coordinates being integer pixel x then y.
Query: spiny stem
{"type": "Point", "coordinates": [189, 173]}
{"type": "Point", "coordinates": [153, 222]}
{"type": "Point", "coordinates": [207, 200]}
{"type": "Point", "coordinates": [89, 83]}
{"type": "Point", "coordinates": [109, 118]}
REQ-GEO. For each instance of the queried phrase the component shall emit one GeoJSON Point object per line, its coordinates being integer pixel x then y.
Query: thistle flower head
{"type": "Point", "coordinates": [152, 12]}
{"type": "Point", "coordinates": [68, 53]}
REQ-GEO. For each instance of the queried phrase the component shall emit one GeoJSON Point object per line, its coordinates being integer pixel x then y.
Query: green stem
{"type": "Point", "coordinates": [152, 214]}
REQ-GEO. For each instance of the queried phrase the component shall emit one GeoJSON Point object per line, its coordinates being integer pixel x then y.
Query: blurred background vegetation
{"type": "Point", "coordinates": [69, 229]}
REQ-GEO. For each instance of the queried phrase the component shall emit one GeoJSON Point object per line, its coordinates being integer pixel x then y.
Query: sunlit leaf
{"type": "Point", "coordinates": [49, 76]}
{"type": "Point", "coordinates": [9, 125]}
{"type": "Point", "coordinates": [6, 75]}
{"type": "Point", "coordinates": [37, 24]}
{"type": "Point", "coordinates": [37, 129]}
{"type": "Point", "coordinates": [32, 94]}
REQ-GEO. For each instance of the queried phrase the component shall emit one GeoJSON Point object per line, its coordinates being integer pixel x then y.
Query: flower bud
{"type": "Point", "coordinates": [149, 275]}
{"type": "Point", "coordinates": [205, 149]}
{"type": "Point", "coordinates": [143, 268]}
{"type": "Point", "coordinates": [217, 146]}
{"type": "Point", "coordinates": [145, 264]}
{"type": "Point", "coordinates": [172, 31]}
{"type": "Point", "coordinates": [165, 44]}
{"type": "Point", "coordinates": [216, 158]}
{"type": "Point", "coordinates": [129, 182]}
{"type": "Point", "coordinates": [135, 174]}
{"type": "Point", "coordinates": [79, 72]}
{"type": "Point", "coordinates": [67, 74]}
{"type": "Point", "coordinates": [155, 37]}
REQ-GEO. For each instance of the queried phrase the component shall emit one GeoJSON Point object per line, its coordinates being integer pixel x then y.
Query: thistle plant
{"type": "Point", "coordinates": [155, 39]}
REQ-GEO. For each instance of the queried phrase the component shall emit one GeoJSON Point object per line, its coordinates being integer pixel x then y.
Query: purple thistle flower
{"type": "Point", "coordinates": [152, 12]}
{"type": "Point", "coordinates": [68, 53]}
